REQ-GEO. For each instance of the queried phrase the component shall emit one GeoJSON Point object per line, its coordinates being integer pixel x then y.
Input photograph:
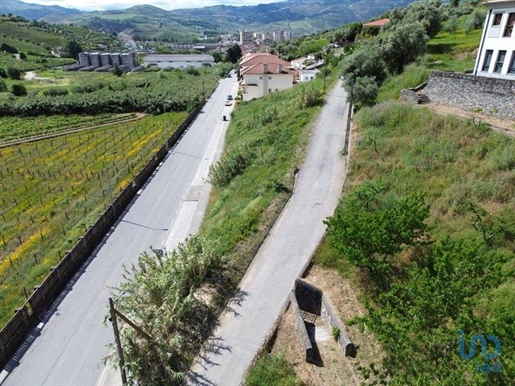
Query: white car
{"type": "Point", "coordinates": [228, 103]}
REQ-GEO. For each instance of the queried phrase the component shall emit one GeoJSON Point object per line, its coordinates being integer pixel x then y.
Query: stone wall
{"type": "Point", "coordinates": [492, 96]}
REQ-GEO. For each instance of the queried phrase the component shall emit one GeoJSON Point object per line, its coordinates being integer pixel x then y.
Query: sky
{"type": "Point", "coordinates": [98, 5]}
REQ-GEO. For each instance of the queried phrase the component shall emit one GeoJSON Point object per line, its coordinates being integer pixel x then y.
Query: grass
{"type": "Point", "coordinates": [272, 370]}
{"type": "Point", "coordinates": [454, 51]}
{"type": "Point", "coordinates": [276, 132]}
{"type": "Point", "coordinates": [53, 190]}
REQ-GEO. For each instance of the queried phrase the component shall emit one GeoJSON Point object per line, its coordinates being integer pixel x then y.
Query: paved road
{"type": "Point", "coordinates": [68, 346]}
{"type": "Point", "coordinates": [270, 278]}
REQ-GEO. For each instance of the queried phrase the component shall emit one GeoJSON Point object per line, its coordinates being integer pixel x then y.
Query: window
{"type": "Point", "coordinates": [511, 69]}
{"type": "Point", "coordinates": [488, 59]}
{"type": "Point", "coordinates": [509, 26]}
{"type": "Point", "coordinates": [500, 61]}
{"type": "Point", "coordinates": [497, 19]}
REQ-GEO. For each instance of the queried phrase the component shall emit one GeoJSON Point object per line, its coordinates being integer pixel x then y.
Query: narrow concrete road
{"type": "Point", "coordinates": [265, 287]}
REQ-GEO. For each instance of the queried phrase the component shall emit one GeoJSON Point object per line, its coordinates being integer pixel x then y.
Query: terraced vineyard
{"type": "Point", "coordinates": [16, 128]}
{"type": "Point", "coordinates": [52, 190]}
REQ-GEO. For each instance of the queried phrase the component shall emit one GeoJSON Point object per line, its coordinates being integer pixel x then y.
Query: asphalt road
{"type": "Point", "coordinates": [266, 286]}
{"type": "Point", "coordinates": [68, 346]}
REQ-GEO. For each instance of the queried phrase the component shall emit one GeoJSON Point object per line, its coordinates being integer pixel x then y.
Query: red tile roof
{"type": "Point", "coordinates": [259, 68]}
{"type": "Point", "coordinates": [254, 59]}
{"type": "Point", "coordinates": [376, 23]}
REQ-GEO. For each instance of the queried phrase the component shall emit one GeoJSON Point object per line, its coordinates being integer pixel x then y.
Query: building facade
{"type": "Point", "coordinates": [496, 55]}
{"type": "Point", "coordinates": [179, 61]}
{"type": "Point", "coordinates": [265, 78]}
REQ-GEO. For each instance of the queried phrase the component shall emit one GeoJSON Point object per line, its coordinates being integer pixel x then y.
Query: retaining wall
{"type": "Point", "coordinates": [493, 96]}
{"type": "Point", "coordinates": [27, 316]}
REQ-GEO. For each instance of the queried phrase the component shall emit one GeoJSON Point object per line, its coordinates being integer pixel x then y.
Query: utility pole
{"type": "Point", "coordinates": [349, 117]}
{"type": "Point", "coordinates": [118, 341]}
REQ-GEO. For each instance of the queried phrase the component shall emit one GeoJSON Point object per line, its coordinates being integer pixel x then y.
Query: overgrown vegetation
{"type": "Point", "coordinates": [272, 370]}
{"type": "Point", "coordinates": [428, 221]}
{"type": "Point", "coordinates": [252, 183]}
{"type": "Point", "coordinates": [384, 56]}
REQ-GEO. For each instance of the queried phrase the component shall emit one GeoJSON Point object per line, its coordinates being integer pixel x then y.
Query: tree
{"type": "Point", "coordinates": [369, 231]}
{"type": "Point", "coordinates": [351, 30]}
{"type": "Point", "coordinates": [19, 90]}
{"type": "Point", "coordinates": [71, 49]}
{"type": "Point", "coordinates": [217, 56]}
{"type": "Point", "coordinates": [3, 74]}
{"type": "Point", "coordinates": [233, 54]}
{"type": "Point", "coordinates": [366, 62]}
{"type": "Point", "coordinates": [429, 13]}
{"type": "Point", "coordinates": [365, 91]}
{"type": "Point", "coordinates": [401, 45]}
{"type": "Point", "coordinates": [117, 70]}
{"type": "Point", "coordinates": [13, 73]}
{"type": "Point", "coordinates": [3, 86]}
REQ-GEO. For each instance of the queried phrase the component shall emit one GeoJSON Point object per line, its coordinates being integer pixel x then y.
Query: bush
{"type": "Point", "coordinates": [475, 20]}
{"type": "Point", "coordinates": [13, 73]}
{"type": "Point", "coordinates": [3, 86]}
{"type": "Point", "coordinates": [229, 166]}
{"type": "Point", "coordinates": [3, 74]}
{"type": "Point", "coordinates": [52, 92]}
{"type": "Point", "coordinates": [19, 90]}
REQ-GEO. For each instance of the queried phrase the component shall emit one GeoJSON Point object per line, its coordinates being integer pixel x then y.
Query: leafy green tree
{"type": "Point", "coordinates": [365, 62]}
{"type": "Point", "coordinates": [350, 31]}
{"type": "Point", "coordinates": [369, 231]}
{"type": "Point", "coordinates": [19, 90]}
{"type": "Point", "coordinates": [3, 74]}
{"type": "Point", "coordinates": [23, 56]}
{"type": "Point", "coordinates": [71, 49]}
{"type": "Point", "coordinates": [401, 45]}
{"type": "Point", "coordinates": [3, 86]}
{"type": "Point", "coordinates": [217, 56]}
{"type": "Point", "coordinates": [365, 91]}
{"type": "Point", "coordinates": [233, 54]}
{"type": "Point", "coordinates": [13, 73]}
{"type": "Point", "coordinates": [430, 13]}
{"type": "Point", "coordinates": [117, 70]}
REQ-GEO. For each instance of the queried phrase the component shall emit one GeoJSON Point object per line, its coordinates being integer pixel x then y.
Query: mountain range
{"type": "Point", "coordinates": [301, 16]}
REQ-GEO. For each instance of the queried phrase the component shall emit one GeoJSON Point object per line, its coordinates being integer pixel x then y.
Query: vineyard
{"type": "Point", "coordinates": [14, 128]}
{"type": "Point", "coordinates": [52, 190]}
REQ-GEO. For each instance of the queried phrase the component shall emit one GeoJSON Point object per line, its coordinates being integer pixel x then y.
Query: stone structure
{"type": "Point", "coordinates": [492, 96]}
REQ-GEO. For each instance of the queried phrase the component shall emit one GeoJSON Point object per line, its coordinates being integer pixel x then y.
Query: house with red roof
{"type": "Point", "coordinates": [262, 74]}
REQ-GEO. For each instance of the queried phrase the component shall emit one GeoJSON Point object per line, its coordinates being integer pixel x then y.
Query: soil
{"type": "Point", "coordinates": [334, 368]}
{"type": "Point", "coordinates": [503, 125]}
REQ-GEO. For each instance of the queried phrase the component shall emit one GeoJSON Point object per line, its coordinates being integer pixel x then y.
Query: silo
{"type": "Point", "coordinates": [84, 59]}
{"type": "Point", "coordinates": [94, 59]}
{"type": "Point", "coordinates": [127, 60]}
{"type": "Point", "coordinates": [115, 59]}
{"type": "Point", "coordinates": [105, 59]}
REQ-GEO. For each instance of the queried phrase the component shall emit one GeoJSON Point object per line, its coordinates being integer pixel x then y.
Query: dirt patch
{"type": "Point", "coordinates": [504, 125]}
{"type": "Point", "coordinates": [335, 368]}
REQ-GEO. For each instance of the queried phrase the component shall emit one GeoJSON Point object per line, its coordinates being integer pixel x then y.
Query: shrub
{"type": "Point", "coordinates": [55, 91]}
{"type": "Point", "coordinates": [3, 74]}
{"type": "Point", "coordinates": [309, 97]}
{"type": "Point", "coordinates": [3, 86]}
{"type": "Point", "coordinates": [19, 90]}
{"type": "Point", "coordinates": [13, 73]}
{"type": "Point", "coordinates": [229, 166]}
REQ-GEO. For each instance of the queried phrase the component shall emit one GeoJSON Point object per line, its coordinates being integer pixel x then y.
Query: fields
{"type": "Point", "coordinates": [52, 190]}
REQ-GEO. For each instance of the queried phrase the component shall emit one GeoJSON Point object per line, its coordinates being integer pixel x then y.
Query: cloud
{"type": "Point", "coordinates": [98, 5]}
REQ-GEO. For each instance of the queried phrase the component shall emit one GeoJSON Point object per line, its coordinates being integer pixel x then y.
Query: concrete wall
{"type": "Point", "coordinates": [301, 328]}
{"type": "Point", "coordinates": [14, 333]}
{"type": "Point", "coordinates": [495, 97]}
{"type": "Point", "coordinates": [266, 83]}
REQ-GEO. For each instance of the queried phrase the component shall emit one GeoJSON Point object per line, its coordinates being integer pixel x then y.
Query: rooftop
{"type": "Point", "coordinates": [376, 23]}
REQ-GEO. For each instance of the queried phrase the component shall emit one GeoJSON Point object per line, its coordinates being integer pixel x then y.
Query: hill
{"type": "Point", "coordinates": [302, 16]}
{"type": "Point", "coordinates": [35, 11]}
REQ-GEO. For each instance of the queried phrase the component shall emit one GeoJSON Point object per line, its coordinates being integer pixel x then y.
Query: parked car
{"type": "Point", "coordinates": [229, 97]}
{"type": "Point", "coordinates": [228, 103]}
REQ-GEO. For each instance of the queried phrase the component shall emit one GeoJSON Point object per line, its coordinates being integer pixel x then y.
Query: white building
{"type": "Point", "coordinates": [265, 78]}
{"type": "Point", "coordinates": [496, 56]}
{"type": "Point", "coordinates": [179, 61]}
{"type": "Point", "coordinates": [307, 75]}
